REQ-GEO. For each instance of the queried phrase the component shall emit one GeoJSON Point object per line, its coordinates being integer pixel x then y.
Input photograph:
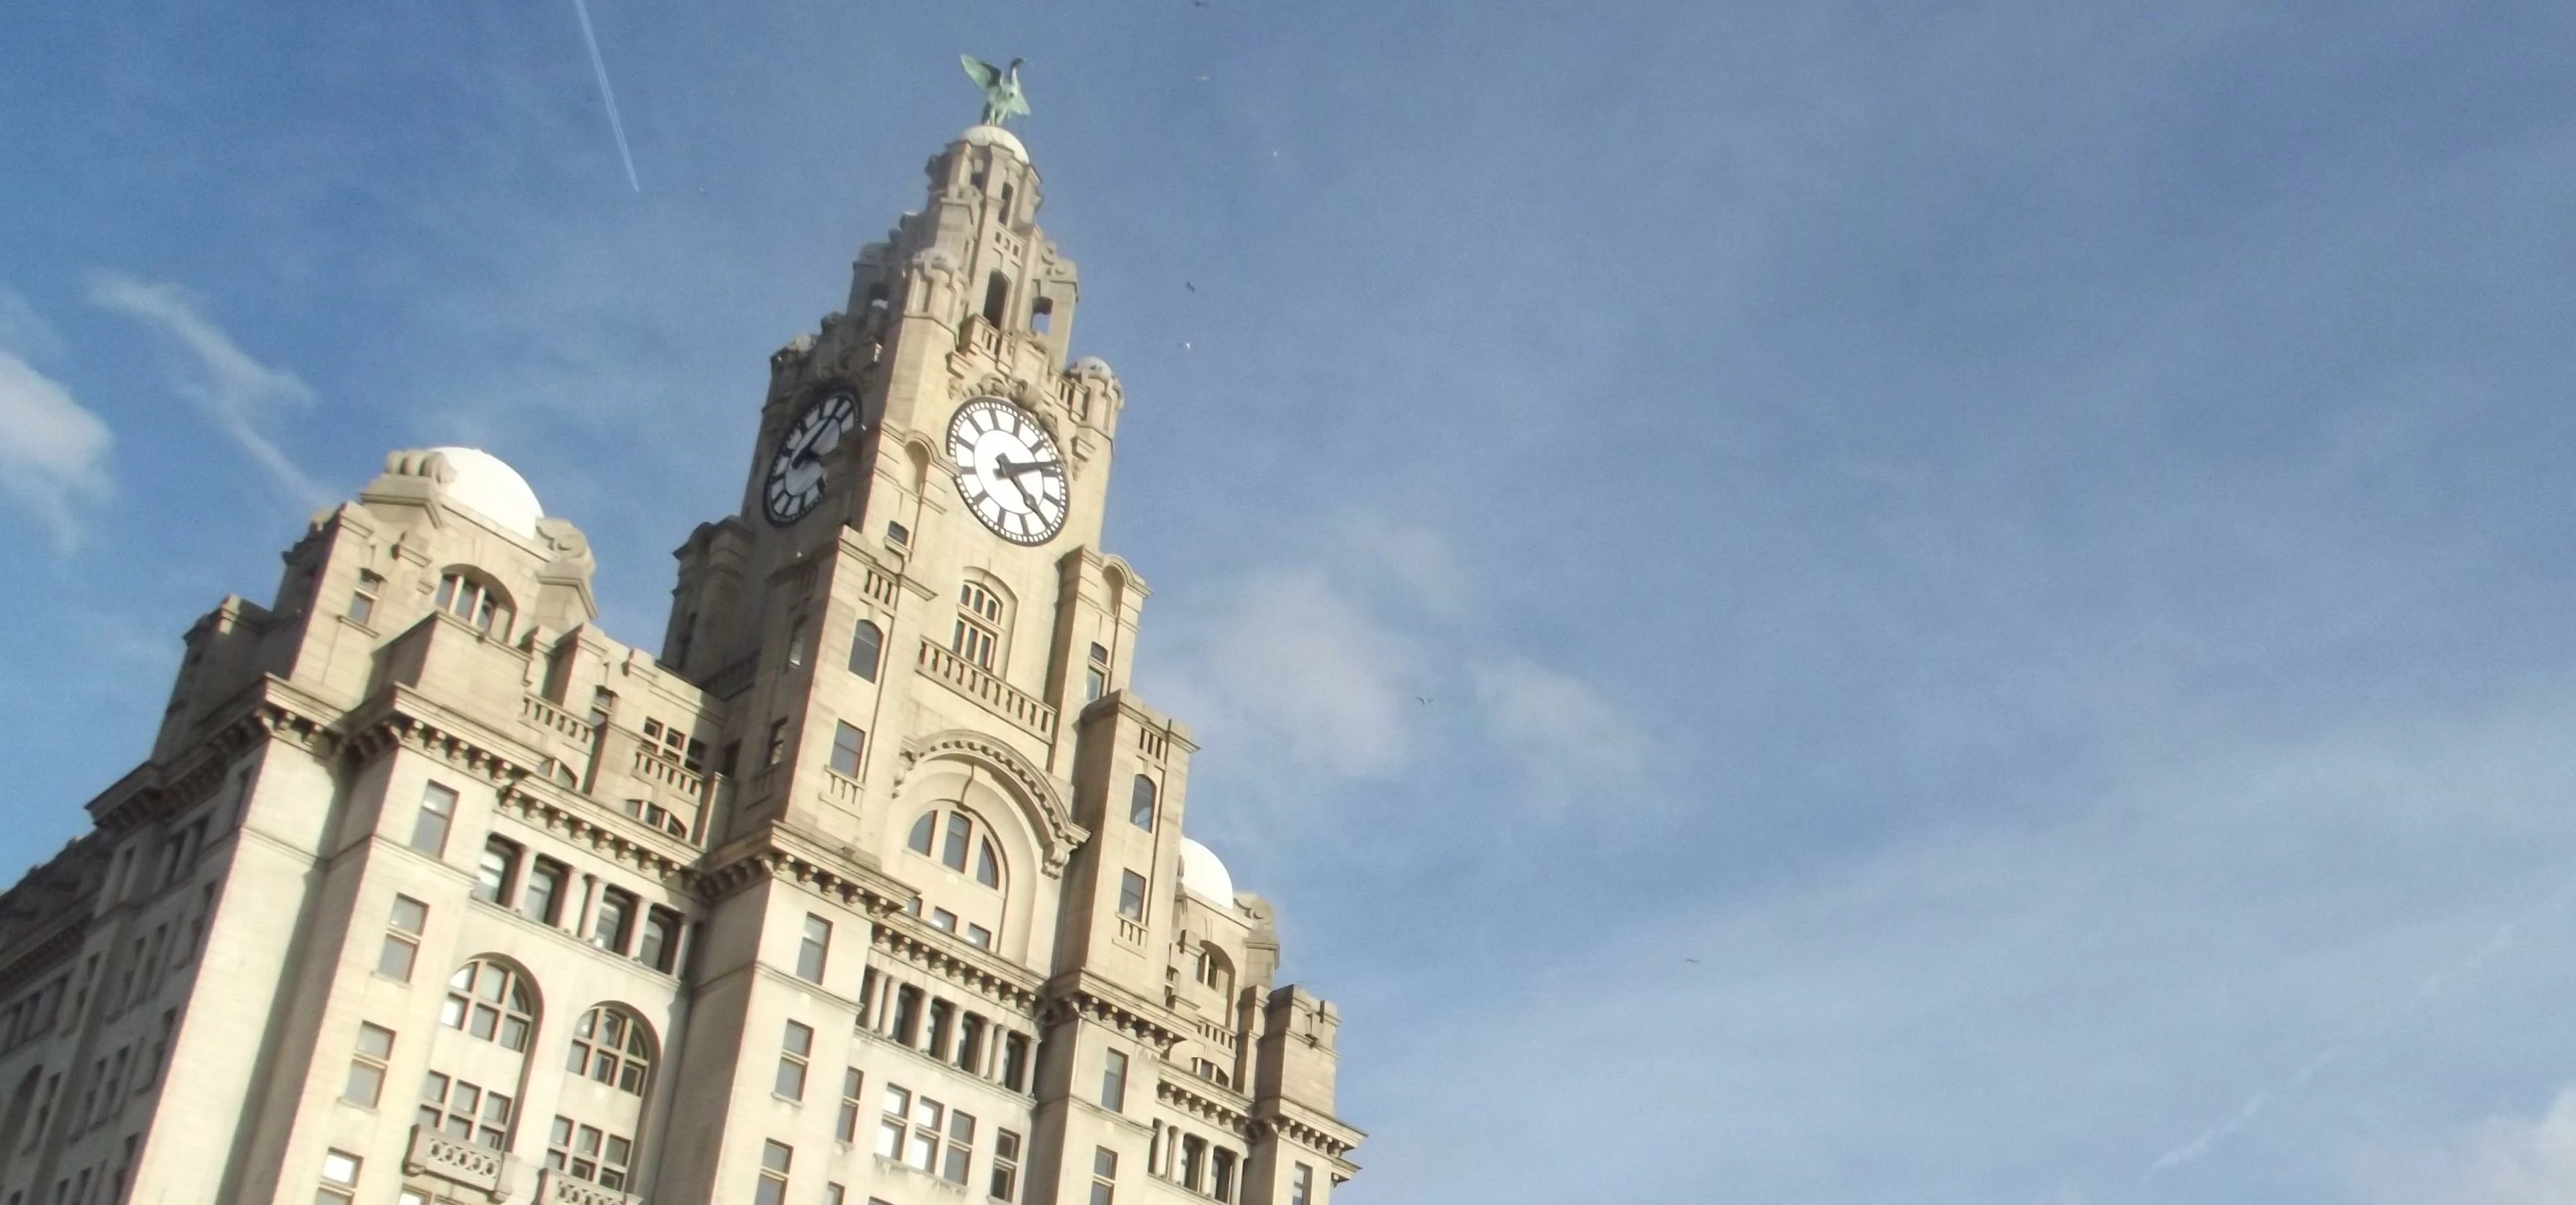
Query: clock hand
{"type": "Point", "coordinates": [1013, 469]}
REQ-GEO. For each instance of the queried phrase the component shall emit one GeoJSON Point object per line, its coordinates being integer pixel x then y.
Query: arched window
{"type": "Point", "coordinates": [491, 1001]}
{"type": "Point", "coordinates": [1140, 804]}
{"type": "Point", "coordinates": [867, 645]}
{"type": "Point", "coordinates": [951, 836]}
{"type": "Point", "coordinates": [611, 1046]}
{"type": "Point", "coordinates": [474, 598]}
{"type": "Point", "coordinates": [980, 622]}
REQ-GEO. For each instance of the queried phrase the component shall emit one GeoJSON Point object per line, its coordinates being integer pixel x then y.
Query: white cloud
{"type": "Point", "coordinates": [1559, 730]}
{"type": "Point", "coordinates": [23, 330]}
{"type": "Point", "coordinates": [241, 394]}
{"type": "Point", "coordinates": [2500, 1161]}
{"type": "Point", "coordinates": [53, 450]}
{"type": "Point", "coordinates": [1290, 663]}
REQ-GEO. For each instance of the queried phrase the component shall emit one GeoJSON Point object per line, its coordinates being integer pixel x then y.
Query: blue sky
{"type": "Point", "coordinates": [1796, 603]}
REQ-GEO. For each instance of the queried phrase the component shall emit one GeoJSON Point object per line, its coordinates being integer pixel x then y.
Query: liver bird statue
{"type": "Point", "coordinates": [1002, 96]}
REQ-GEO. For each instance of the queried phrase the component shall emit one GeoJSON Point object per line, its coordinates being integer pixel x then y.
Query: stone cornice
{"type": "Point", "coordinates": [1085, 993]}
{"type": "Point", "coordinates": [28, 962]}
{"type": "Point", "coordinates": [1309, 1127]}
{"type": "Point", "coordinates": [1205, 1101]}
{"type": "Point", "coordinates": [270, 709]}
{"type": "Point", "coordinates": [1005, 983]}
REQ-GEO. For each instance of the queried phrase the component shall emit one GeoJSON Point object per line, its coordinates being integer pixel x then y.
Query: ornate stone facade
{"type": "Point", "coordinates": [871, 886]}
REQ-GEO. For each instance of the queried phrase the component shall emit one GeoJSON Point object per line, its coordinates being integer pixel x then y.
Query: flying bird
{"type": "Point", "coordinates": [1003, 99]}
{"type": "Point", "coordinates": [1191, 287]}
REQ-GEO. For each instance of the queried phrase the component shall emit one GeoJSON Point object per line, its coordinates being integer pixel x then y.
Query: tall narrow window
{"type": "Point", "coordinates": [796, 645]}
{"type": "Point", "coordinates": [979, 624]}
{"type": "Point", "coordinates": [774, 1160]}
{"type": "Point", "coordinates": [429, 825]}
{"type": "Point", "coordinates": [1131, 895]}
{"type": "Point", "coordinates": [1301, 1185]}
{"type": "Point", "coordinates": [1104, 1176]}
{"type": "Point", "coordinates": [907, 1014]}
{"type": "Point", "coordinates": [367, 1067]}
{"type": "Point", "coordinates": [777, 743]}
{"type": "Point", "coordinates": [812, 948]}
{"type": "Point", "coordinates": [1113, 1081]}
{"type": "Point", "coordinates": [922, 831]}
{"type": "Point", "coordinates": [1002, 211]}
{"type": "Point", "coordinates": [402, 938]}
{"type": "Point", "coordinates": [1015, 1062]}
{"type": "Point", "coordinates": [943, 1015]}
{"type": "Point", "coordinates": [961, 1146]}
{"type": "Point", "coordinates": [1140, 804]}
{"type": "Point", "coordinates": [493, 872]}
{"type": "Point", "coordinates": [339, 1177]}
{"type": "Point", "coordinates": [362, 601]}
{"type": "Point", "coordinates": [960, 830]}
{"type": "Point", "coordinates": [997, 304]}
{"type": "Point", "coordinates": [794, 1050]}
{"type": "Point", "coordinates": [544, 893]}
{"type": "Point", "coordinates": [846, 1127]}
{"type": "Point", "coordinates": [988, 864]}
{"type": "Point", "coordinates": [1193, 1162]}
{"type": "Point", "coordinates": [867, 646]}
{"type": "Point", "coordinates": [1095, 677]}
{"type": "Point", "coordinates": [1041, 314]}
{"type": "Point", "coordinates": [615, 922]}
{"type": "Point", "coordinates": [1005, 1184]}
{"type": "Point", "coordinates": [1221, 1175]}
{"type": "Point", "coordinates": [891, 1126]}
{"type": "Point", "coordinates": [970, 1043]}
{"type": "Point", "coordinates": [847, 743]}
{"type": "Point", "coordinates": [661, 938]}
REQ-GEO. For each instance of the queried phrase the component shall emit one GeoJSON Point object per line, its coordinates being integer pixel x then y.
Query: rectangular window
{"type": "Point", "coordinates": [943, 1016]}
{"type": "Point", "coordinates": [160, 1049]}
{"type": "Point", "coordinates": [846, 1128]}
{"type": "Point", "coordinates": [362, 601]}
{"type": "Point", "coordinates": [1094, 684]}
{"type": "Point", "coordinates": [943, 920]}
{"type": "Point", "coordinates": [367, 1067]}
{"type": "Point", "coordinates": [961, 1147]}
{"type": "Point", "coordinates": [464, 1111]}
{"type": "Point", "coordinates": [1104, 1174]}
{"type": "Point", "coordinates": [1131, 895]}
{"type": "Point", "coordinates": [970, 1043]}
{"type": "Point", "coordinates": [979, 936]}
{"type": "Point", "coordinates": [661, 938]}
{"type": "Point", "coordinates": [492, 874]}
{"type": "Point", "coordinates": [812, 949]}
{"type": "Point", "coordinates": [793, 1050]}
{"type": "Point", "coordinates": [586, 1152]}
{"type": "Point", "coordinates": [402, 938]}
{"type": "Point", "coordinates": [923, 1151]}
{"type": "Point", "coordinates": [890, 1127]}
{"type": "Point", "coordinates": [545, 890]}
{"type": "Point", "coordinates": [1015, 1062]}
{"type": "Point", "coordinates": [1301, 1185]}
{"type": "Point", "coordinates": [1221, 1175]}
{"type": "Point", "coordinates": [834, 1194]}
{"type": "Point", "coordinates": [339, 1176]}
{"type": "Point", "coordinates": [429, 826]}
{"type": "Point", "coordinates": [615, 921]}
{"type": "Point", "coordinates": [1193, 1161]}
{"type": "Point", "coordinates": [774, 1159]}
{"type": "Point", "coordinates": [907, 1014]}
{"type": "Point", "coordinates": [1006, 1166]}
{"type": "Point", "coordinates": [847, 744]}
{"type": "Point", "coordinates": [1113, 1081]}
{"type": "Point", "coordinates": [777, 743]}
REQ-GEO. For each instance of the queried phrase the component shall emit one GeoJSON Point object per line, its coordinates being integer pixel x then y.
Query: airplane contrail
{"type": "Point", "coordinates": [600, 67]}
{"type": "Point", "coordinates": [2433, 986]}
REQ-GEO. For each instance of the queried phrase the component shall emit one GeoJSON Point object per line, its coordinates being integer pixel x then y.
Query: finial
{"type": "Point", "coordinates": [1002, 96]}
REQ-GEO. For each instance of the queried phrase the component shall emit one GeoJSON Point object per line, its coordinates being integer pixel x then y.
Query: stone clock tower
{"type": "Point", "coordinates": [870, 887]}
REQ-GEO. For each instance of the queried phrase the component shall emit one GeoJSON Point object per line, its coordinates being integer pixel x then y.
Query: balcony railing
{"type": "Point", "coordinates": [558, 1188]}
{"type": "Point", "coordinates": [974, 682]}
{"type": "Point", "coordinates": [435, 1154]}
{"type": "Point", "coordinates": [1131, 932]}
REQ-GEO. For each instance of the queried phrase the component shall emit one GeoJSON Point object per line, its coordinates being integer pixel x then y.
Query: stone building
{"type": "Point", "coordinates": [870, 886]}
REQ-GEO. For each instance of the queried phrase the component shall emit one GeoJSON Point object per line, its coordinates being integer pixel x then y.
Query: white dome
{"type": "Point", "coordinates": [994, 136]}
{"type": "Point", "coordinates": [1204, 876]}
{"type": "Point", "coordinates": [486, 486]}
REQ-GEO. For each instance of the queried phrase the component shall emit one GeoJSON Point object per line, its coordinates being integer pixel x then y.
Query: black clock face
{"type": "Point", "coordinates": [1008, 471]}
{"type": "Point", "coordinates": [795, 481]}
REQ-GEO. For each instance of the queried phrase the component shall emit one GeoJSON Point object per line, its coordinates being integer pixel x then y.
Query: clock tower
{"type": "Point", "coordinates": [871, 887]}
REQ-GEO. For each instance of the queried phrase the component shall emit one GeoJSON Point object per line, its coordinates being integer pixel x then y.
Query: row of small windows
{"type": "Point", "coordinates": [535, 887]}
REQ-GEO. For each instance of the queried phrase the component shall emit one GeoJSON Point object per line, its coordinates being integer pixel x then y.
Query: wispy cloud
{"type": "Point", "coordinates": [242, 395]}
{"type": "Point", "coordinates": [2503, 1160]}
{"type": "Point", "coordinates": [1557, 729]}
{"type": "Point", "coordinates": [1295, 666]}
{"type": "Point", "coordinates": [53, 450]}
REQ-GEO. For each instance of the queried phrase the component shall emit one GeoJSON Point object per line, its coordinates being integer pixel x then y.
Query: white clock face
{"type": "Point", "coordinates": [795, 480]}
{"type": "Point", "coordinates": [1008, 471]}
